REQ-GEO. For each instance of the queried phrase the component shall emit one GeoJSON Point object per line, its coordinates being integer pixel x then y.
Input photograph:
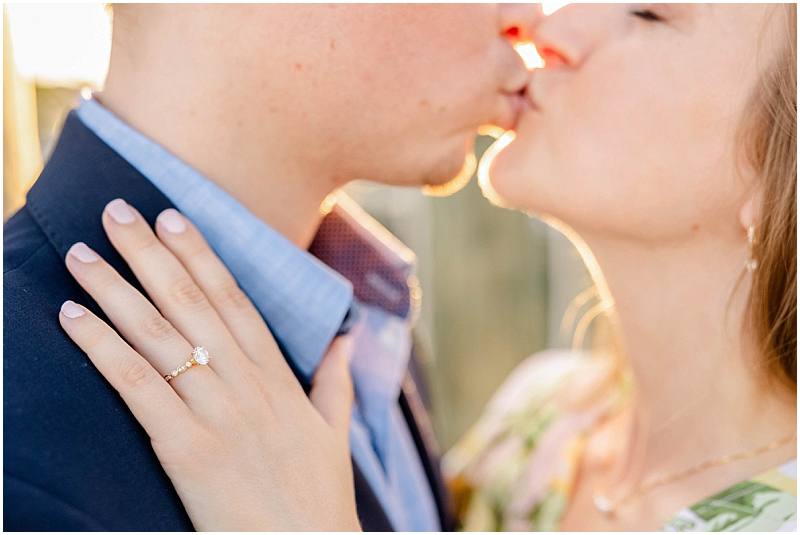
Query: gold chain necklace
{"type": "Point", "coordinates": [607, 507]}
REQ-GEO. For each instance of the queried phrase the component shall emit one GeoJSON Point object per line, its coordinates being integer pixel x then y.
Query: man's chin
{"type": "Point", "coordinates": [446, 187]}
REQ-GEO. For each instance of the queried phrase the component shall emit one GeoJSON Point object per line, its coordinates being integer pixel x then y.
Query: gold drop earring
{"type": "Point", "coordinates": [751, 263]}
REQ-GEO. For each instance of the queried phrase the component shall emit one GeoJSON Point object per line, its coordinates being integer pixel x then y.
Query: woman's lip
{"type": "Point", "coordinates": [529, 100]}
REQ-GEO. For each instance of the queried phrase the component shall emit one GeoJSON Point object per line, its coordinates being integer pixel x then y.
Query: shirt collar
{"type": "Point", "coordinates": [303, 295]}
{"type": "Point", "coordinates": [303, 300]}
{"type": "Point", "coordinates": [380, 267]}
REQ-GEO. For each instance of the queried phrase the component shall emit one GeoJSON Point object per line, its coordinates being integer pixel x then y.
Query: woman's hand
{"type": "Point", "coordinates": [243, 445]}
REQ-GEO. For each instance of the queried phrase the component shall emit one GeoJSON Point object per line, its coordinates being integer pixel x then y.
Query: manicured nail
{"type": "Point", "coordinates": [172, 221]}
{"type": "Point", "coordinates": [82, 252]}
{"type": "Point", "coordinates": [71, 310]}
{"type": "Point", "coordinates": [120, 212]}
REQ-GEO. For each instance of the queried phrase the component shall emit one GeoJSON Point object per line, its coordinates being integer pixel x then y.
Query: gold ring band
{"type": "Point", "coordinates": [199, 357]}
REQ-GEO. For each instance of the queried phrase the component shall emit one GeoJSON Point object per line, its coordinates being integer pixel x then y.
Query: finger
{"type": "Point", "coordinates": [231, 303]}
{"type": "Point", "coordinates": [153, 402]}
{"type": "Point", "coordinates": [332, 387]}
{"type": "Point", "coordinates": [171, 287]}
{"type": "Point", "coordinates": [139, 322]}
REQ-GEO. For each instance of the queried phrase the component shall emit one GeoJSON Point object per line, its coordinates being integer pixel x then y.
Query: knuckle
{"type": "Point", "coordinates": [137, 373]}
{"type": "Point", "coordinates": [197, 249]}
{"type": "Point", "coordinates": [93, 339]}
{"type": "Point", "coordinates": [231, 296]}
{"type": "Point", "coordinates": [185, 292]}
{"type": "Point", "coordinates": [103, 281]}
{"type": "Point", "coordinates": [257, 385]}
{"type": "Point", "coordinates": [145, 242]}
{"type": "Point", "coordinates": [156, 327]}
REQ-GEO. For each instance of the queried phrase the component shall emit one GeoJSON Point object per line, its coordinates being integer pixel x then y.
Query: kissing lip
{"type": "Point", "coordinates": [530, 101]}
{"type": "Point", "coordinates": [516, 105]}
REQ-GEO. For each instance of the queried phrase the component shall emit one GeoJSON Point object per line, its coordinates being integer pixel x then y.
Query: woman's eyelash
{"type": "Point", "coordinates": [646, 15]}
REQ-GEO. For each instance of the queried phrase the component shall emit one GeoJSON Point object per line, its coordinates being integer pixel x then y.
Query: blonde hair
{"type": "Point", "coordinates": [772, 152]}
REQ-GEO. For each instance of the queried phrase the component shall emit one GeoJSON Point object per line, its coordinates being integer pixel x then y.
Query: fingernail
{"type": "Point", "coordinates": [172, 220]}
{"type": "Point", "coordinates": [71, 310]}
{"type": "Point", "coordinates": [82, 252]}
{"type": "Point", "coordinates": [120, 212]}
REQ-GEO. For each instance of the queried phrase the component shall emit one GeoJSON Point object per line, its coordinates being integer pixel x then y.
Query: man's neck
{"type": "Point", "coordinates": [236, 156]}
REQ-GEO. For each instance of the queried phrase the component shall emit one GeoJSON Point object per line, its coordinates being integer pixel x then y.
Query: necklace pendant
{"type": "Point", "coordinates": [602, 504]}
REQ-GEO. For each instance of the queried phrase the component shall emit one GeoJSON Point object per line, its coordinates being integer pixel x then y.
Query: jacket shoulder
{"type": "Point", "coordinates": [72, 451]}
{"type": "Point", "coordinates": [22, 238]}
{"type": "Point", "coordinates": [35, 283]}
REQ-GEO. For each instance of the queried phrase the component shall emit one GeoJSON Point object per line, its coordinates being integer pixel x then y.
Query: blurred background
{"type": "Point", "coordinates": [497, 285]}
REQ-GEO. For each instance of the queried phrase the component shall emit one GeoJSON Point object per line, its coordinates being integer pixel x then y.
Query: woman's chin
{"type": "Point", "coordinates": [506, 184]}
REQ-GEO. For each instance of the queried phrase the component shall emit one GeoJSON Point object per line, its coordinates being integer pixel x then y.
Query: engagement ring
{"type": "Point", "coordinates": [199, 356]}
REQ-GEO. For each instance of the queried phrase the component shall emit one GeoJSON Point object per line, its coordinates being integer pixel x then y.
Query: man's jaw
{"type": "Point", "coordinates": [455, 184]}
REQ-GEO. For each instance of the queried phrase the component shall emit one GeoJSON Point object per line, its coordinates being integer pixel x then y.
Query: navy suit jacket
{"type": "Point", "coordinates": [75, 458]}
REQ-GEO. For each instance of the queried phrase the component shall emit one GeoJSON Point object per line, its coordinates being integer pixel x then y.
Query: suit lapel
{"type": "Point", "coordinates": [68, 199]}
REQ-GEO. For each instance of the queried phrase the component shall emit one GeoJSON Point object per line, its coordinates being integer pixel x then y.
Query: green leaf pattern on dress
{"type": "Point", "coordinates": [747, 506]}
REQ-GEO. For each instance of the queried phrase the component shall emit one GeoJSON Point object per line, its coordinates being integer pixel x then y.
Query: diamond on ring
{"type": "Point", "coordinates": [200, 355]}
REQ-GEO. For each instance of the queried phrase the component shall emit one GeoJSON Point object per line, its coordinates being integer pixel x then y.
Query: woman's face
{"type": "Point", "coordinates": [633, 124]}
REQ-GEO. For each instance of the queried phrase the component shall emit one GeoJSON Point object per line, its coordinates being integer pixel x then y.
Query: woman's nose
{"type": "Point", "coordinates": [570, 35]}
{"type": "Point", "coordinates": [556, 40]}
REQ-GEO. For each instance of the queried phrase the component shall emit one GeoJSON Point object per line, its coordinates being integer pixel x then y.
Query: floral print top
{"type": "Point", "coordinates": [514, 470]}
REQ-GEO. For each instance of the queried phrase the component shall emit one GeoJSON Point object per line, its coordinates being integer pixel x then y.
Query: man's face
{"type": "Point", "coordinates": [390, 93]}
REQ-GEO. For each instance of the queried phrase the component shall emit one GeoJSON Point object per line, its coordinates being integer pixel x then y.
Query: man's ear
{"type": "Point", "coordinates": [750, 212]}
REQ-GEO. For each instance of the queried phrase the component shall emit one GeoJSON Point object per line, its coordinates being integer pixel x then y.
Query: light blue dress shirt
{"type": "Point", "coordinates": [305, 303]}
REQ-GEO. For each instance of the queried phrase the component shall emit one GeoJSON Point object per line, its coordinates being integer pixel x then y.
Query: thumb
{"type": "Point", "coordinates": [332, 387]}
